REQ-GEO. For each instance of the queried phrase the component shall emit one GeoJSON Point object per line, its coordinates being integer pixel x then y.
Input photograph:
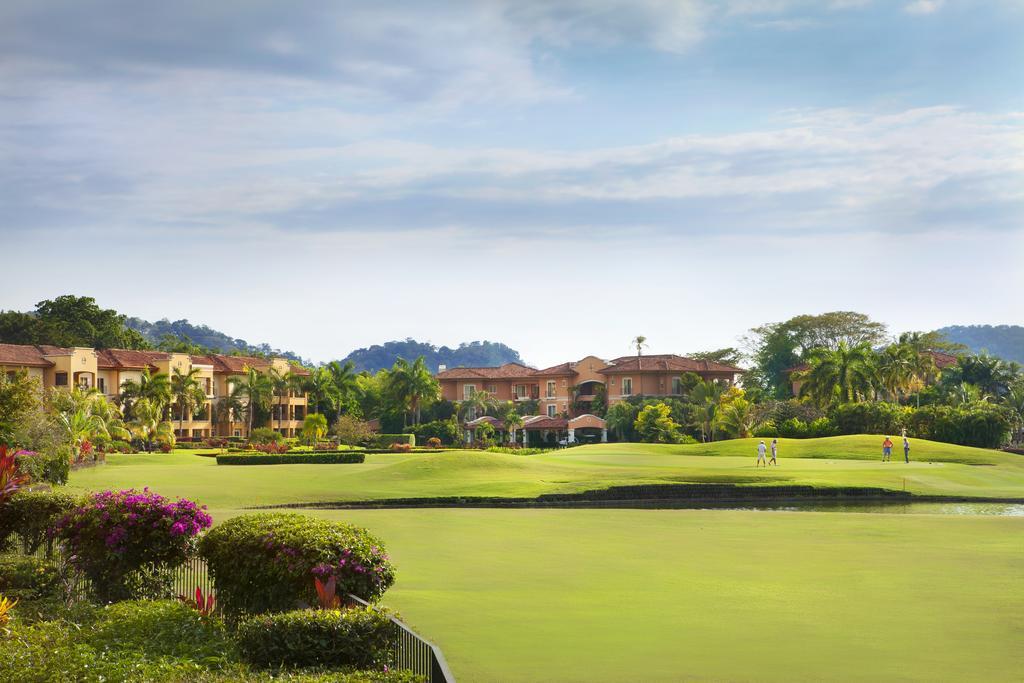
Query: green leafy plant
{"type": "Point", "coordinates": [32, 514]}
{"type": "Point", "coordinates": [263, 562]}
{"type": "Point", "coordinates": [359, 637]}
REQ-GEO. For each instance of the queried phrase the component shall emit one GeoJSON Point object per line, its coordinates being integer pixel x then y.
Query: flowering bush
{"type": "Point", "coordinates": [214, 442]}
{"type": "Point", "coordinates": [433, 442]}
{"type": "Point", "coordinates": [267, 562]}
{"type": "Point", "coordinates": [117, 534]}
{"type": "Point", "coordinates": [401, 447]}
{"type": "Point", "coordinates": [166, 447]}
{"type": "Point", "coordinates": [271, 448]}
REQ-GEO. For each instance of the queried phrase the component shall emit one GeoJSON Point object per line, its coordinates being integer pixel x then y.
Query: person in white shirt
{"type": "Point", "coordinates": [761, 449]}
{"type": "Point", "coordinates": [775, 452]}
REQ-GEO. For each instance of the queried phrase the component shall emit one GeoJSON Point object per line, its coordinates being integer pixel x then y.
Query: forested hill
{"type": "Point", "coordinates": [471, 354]}
{"type": "Point", "coordinates": [201, 335]}
{"type": "Point", "coordinates": [1005, 341]}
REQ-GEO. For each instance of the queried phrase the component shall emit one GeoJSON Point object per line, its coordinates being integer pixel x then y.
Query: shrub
{"type": "Point", "coordinates": [165, 447]}
{"type": "Point", "coordinates": [32, 514]}
{"type": "Point", "coordinates": [977, 424]}
{"type": "Point", "coordinates": [401, 448]}
{"type": "Point", "coordinates": [654, 424]}
{"type": "Point", "coordinates": [116, 538]}
{"type": "Point", "coordinates": [266, 562]}
{"type": "Point", "coordinates": [870, 418]}
{"type": "Point", "coordinates": [433, 442]}
{"type": "Point", "coordinates": [215, 442]}
{"type": "Point", "coordinates": [686, 439]}
{"type": "Point", "coordinates": [52, 466]}
{"type": "Point", "coordinates": [271, 448]}
{"type": "Point", "coordinates": [120, 447]}
{"type": "Point", "coordinates": [518, 451]}
{"type": "Point", "coordinates": [448, 431]}
{"type": "Point", "coordinates": [160, 628]}
{"type": "Point", "coordinates": [351, 430]}
{"type": "Point", "coordinates": [263, 435]}
{"type": "Point", "coordinates": [359, 637]}
{"type": "Point", "coordinates": [331, 458]}
{"type": "Point", "coordinates": [28, 577]}
{"type": "Point", "coordinates": [385, 440]}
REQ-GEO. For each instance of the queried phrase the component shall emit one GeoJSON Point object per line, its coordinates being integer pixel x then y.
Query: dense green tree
{"type": "Point", "coordinates": [148, 424]}
{"type": "Point", "coordinates": [154, 388]}
{"type": "Point", "coordinates": [727, 356]}
{"type": "Point", "coordinates": [778, 347]}
{"type": "Point", "coordinates": [845, 374]}
{"type": "Point", "coordinates": [703, 401]}
{"type": "Point", "coordinates": [19, 396]}
{"type": "Point", "coordinates": [412, 386]}
{"type": "Point", "coordinates": [314, 427]}
{"type": "Point", "coordinates": [654, 424]}
{"type": "Point", "coordinates": [70, 321]}
{"type": "Point", "coordinates": [344, 377]}
{"type": "Point", "coordinates": [620, 419]}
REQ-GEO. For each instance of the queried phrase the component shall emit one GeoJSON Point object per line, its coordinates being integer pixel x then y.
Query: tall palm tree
{"type": "Point", "coordinates": [478, 403]}
{"type": "Point", "coordinates": [704, 398]}
{"type": "Point", "coordinates": [897, 367]}
{"type": "Point", "coordinates": [345, 382]}
{"type": "Point", "coordinates": [843, 375]}
{"type": "Point", "coordinates": [736, 417]}
{"type": "Point", "coordinates": [280, 384]}
{"type": "Point", "coordinates": [640, 342]}
{"type": "Point", "coordinates": [187, 393]}
{"type": "Point", "coordinates": [620, 418]}
{"type": "Point", "coordinates": [253, 390]}
{"type": "Point", "coordinates": [321, 389]}
{"type": "Point", "coordinates": [154, 388]}
{"type": "Point", "coordinates": [513, 421]}
{"type": "Point", "coordinates": [149, 425]}
{"type": "Point", "coordinates": [411, 386]}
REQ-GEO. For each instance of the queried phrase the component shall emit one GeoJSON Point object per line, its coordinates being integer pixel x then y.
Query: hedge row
{"type": "Point", "coordinates": [328, 458]}
{"type": "Point", "coordinates": [385, 440]}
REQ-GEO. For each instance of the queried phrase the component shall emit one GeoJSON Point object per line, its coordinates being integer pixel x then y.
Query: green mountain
{"type": "Point", "coordinates": [203, 336]}
{"type": "Point", "coordinates": [471, 354]}
{"type": "Point", "coordinates": [1005, 341]}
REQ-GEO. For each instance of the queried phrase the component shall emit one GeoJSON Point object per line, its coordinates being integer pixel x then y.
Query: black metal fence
{"type": "Point", "coordinates": [408, 651]}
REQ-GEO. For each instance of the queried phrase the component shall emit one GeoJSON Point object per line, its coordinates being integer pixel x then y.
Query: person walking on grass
{"type": "Point", "coordinates": [906, 450]}
{"type": "Point", "coordinates": [761, 448]}
{"type": "Point", "coordinates": [887, 450]}
{"type": "Point", "coordinates": [775, 452]}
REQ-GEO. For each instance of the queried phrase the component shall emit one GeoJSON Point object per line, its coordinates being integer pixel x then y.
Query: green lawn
{"type": "Point", "coordinates": [660, 595]}
{"type": "Point", "coordinates": [612, 595]}
{"type": "Point", "coordinates": [936, 469]}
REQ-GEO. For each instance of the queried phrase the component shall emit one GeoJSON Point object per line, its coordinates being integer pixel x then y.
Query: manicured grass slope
{"type": "Point", "coordinates": [660, 595]}
{"type": "Point", "coordinates": [937, 469]}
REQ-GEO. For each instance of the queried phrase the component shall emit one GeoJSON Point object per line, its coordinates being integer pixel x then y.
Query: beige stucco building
{"type": "Point", "coordinates": [108, 369]}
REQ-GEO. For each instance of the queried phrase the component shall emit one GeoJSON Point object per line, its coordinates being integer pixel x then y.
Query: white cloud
{"type": "Point", "coordinates": [923, 6]}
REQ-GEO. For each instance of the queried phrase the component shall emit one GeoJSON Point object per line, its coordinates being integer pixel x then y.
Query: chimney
{"type": "Point", "coordinates": [442, 367]}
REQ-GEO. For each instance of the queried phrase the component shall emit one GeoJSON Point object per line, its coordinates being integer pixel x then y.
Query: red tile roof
{"type": "Point", "coordinates": [237, 365]}
{"type": "Point", "coordinates": [23, 356]}
{"type": "Point", "coordinates": [506, 371]}
{"type": "Point", "coordinates": [547, 423]}
{"type": "Point", "coordinates": [665, 363]}
{"type": "Point", "coordinates": [943, 360]}
{"type": "Point", "coordinates": [122, 359]}
{"type": "Point", "coordinates": [560, 369]}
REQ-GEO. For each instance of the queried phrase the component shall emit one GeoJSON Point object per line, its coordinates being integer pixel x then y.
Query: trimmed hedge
{"type": "Point", "coordinates": [357, 637]}
{"type": "Point", "coordinates": [265, 562]}
{"type": "Point", "coordinates": [328, 458]}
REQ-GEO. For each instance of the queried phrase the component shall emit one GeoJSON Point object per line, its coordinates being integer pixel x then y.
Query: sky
{"type": "Point", "coordinates": [557, 175]}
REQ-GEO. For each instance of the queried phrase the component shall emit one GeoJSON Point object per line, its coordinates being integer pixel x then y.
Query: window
{"type": "Point", "coordinates": [521, 391]}
{"type": "Point", "coordinates": [11, 374]}
{"type": "Point", "coordinates": [551, 389]}
{"type": "Point", "coordinates": [467, 391]}
{"type": "Point", "coordinates": [677, 385]}
{"type": "Point", "coordinates": [61, 379]}
{"type": "Point", "coordinates": [238, 432]}
{"type": "Point", "coordinates": [627, 386]}
{"type": "Point", "coordinates": [551, 410]}
{"type": "Point", "coordinates": [101, 383]}
{"type": "Point", "coordinates": [492, 388]}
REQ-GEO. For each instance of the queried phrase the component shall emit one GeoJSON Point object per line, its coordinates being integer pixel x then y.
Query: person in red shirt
{"type": "Point", "coordinates": [887, 450]}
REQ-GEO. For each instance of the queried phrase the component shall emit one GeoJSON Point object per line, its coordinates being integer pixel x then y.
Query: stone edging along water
{"type": "Point", "coordinates": [656, 496]}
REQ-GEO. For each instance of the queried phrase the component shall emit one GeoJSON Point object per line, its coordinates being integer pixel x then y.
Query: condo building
{"type": "Point", "coordinates": [107, 370]}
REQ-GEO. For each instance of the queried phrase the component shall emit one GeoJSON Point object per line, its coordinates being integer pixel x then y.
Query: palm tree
{"type": "Point", "coordinates": [188, 394]}
{"type": "Point", "coordinates": [154, 388]}
{"type": "Point", "coordinates": [345, 381]}
{"type": "Point", "coordinates": [897, 367]}
{"type": "Point", "coordinates": [411, 386]}
{"type": "Point", "coordinates": [640, 342]}
{"type": "Point", "coordinates": [704, 398]}
{"type": "Point", "coordinates": [321, 389]}
{"type": "Point", "coordinates": [149, 425]}
{"type": "Point", "coordinates": [478, 403]}
{"type": "Point", "coordinates": [843, 375]}
{"type": "Point", "coordinates": [513, 421]}
{"type": "Point", "coordinates": [314, 427]}
{"type": "Point", "coordinates": [736, 417]}
{"type": "Point", "coordinates": [620, 418]}
{"type": "Point", "coordinates": [255, 388]}
{"type": "Point", "coordinates": [280, 383]}
{"type": "Point", "coordinates": [86, 416]}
